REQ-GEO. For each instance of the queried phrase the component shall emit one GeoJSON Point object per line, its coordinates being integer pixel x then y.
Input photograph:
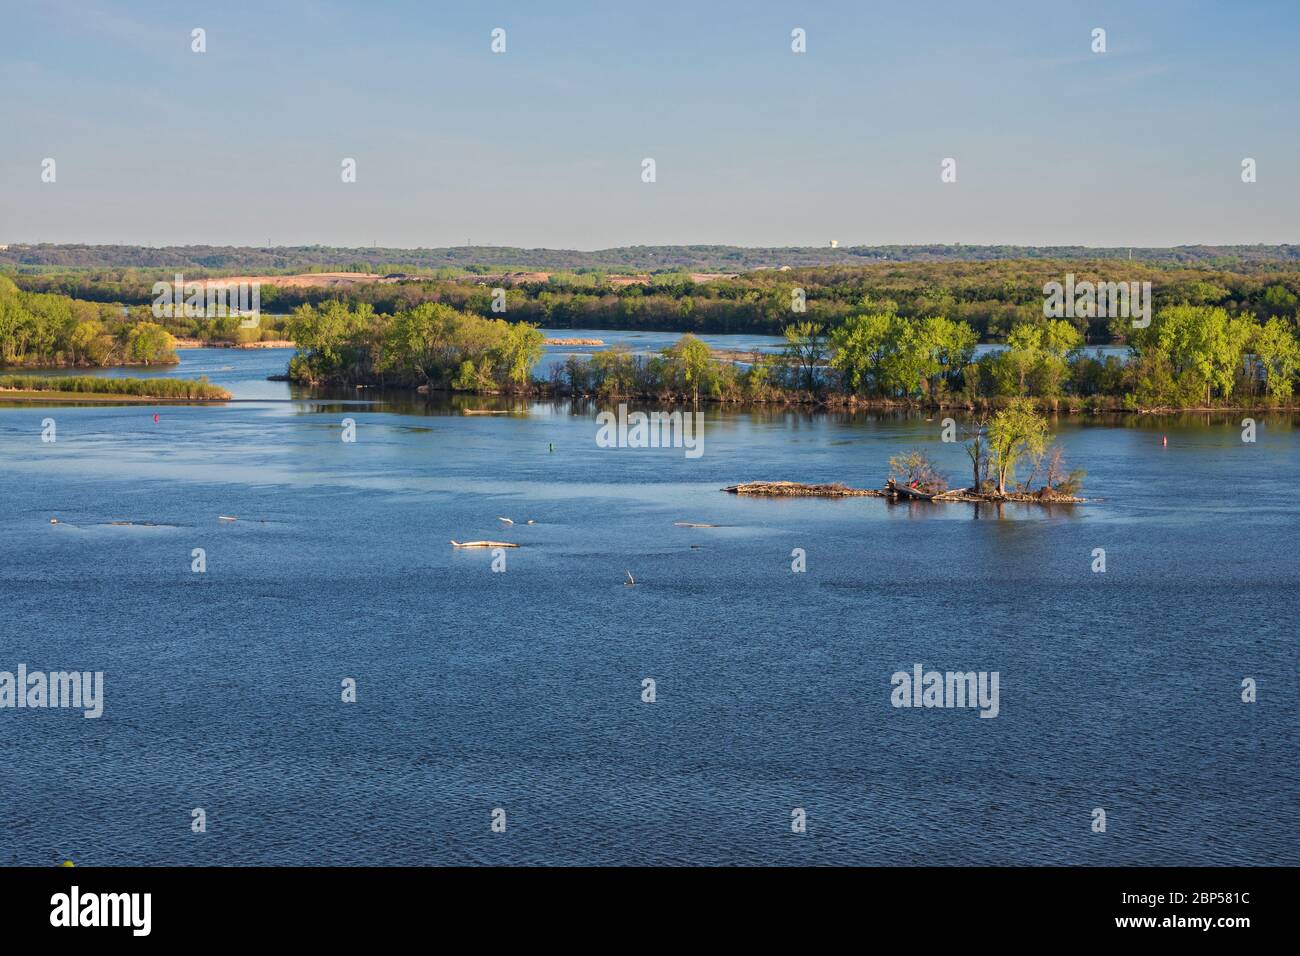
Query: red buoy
{"type": "Point", "coordinates": [1164, 439]}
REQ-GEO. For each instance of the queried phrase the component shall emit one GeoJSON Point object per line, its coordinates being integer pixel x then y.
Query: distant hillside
{"type": "Point", "coordinates": [46, 256]}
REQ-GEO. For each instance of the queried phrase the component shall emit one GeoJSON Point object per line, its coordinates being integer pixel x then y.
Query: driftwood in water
{"type": "Point", "coordinates": [1041, 497]}
{"type": "Point", "coordinates": [483, 544]}
{"type": "Point", "coordinates": [893, 491]}
{"type": "Point", "coordinates": [794, 489]}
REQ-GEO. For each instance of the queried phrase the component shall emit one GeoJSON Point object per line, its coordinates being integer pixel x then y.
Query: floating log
{"type": "Point", "coordinates": [483, 544]}
{"type": "Point", "coordinates": [895, 490]}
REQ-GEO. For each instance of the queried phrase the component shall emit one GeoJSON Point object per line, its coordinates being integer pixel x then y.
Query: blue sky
{"type": "Point", "coordinates": [754, 145]}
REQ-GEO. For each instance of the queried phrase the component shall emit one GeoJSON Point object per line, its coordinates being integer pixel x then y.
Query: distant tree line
{"type": "Point", "coordinates": [1213, 339]}
{"type": "Point", "coordinates": [698, 258]}
{"type": "Point", "coordinates": [991, 297]}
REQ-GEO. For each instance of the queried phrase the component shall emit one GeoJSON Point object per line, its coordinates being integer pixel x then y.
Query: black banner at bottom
{"type": "Point", "coordinates": [338, 905]}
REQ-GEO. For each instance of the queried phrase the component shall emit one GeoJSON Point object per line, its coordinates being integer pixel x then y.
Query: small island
{"type": "Point", "coordinates": [995, 446]}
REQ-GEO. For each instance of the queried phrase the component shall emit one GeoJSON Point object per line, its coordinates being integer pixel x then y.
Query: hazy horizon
{"type": "Point", "coordinates": [540, 147]}
{"type": "Point", "coordinates": [647, 245]}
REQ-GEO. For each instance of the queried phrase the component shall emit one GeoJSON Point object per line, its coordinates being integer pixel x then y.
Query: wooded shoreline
{"type": "Point", "coordinates": [1185, 357]}
{"type": "Point", "coordinates": [831, 402]}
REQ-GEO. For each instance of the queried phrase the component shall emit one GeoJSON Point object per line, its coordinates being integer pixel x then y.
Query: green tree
{"type": "Point", "coordinates": [909, 360]}
{"type": "Point", "coordinates": [1058, 343]}
{"type": "Point", "coordinates": [692, 360]}
{"type": "Point", "coordinates": [953, 346]}
{"type": "Point", "coordinates": [1278, 353]}
{"type": "Point", "coordinates": [89, 344]}
{"type": "Point", "coordinates": [858, 346]}
{"type": "Point", "coordinates": [1022, 355]}
{"type": "Point", "coordinates": [521, 347]}
{"type": "Point", "coordinates": [806, 347]}
{"type": "Point", "coordinates": [895, 355]}
{"type": "Point", "coordinates": [1279, 300]}
{"type": "Point", "coordinates": [150, 344]}
{"type": "Point", "coordinates": [1202, 345]}
{"type": "Point", "coordinates": [327, 337]}
{"type": "Point", "coordinates": [1013, 433]}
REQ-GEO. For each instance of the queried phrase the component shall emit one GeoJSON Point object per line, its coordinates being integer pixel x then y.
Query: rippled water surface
{"type": "Point", "coordinates": [522, 689]}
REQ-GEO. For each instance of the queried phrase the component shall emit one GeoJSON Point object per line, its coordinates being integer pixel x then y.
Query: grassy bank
{"type": "Point", "coordinates": [90, 388]}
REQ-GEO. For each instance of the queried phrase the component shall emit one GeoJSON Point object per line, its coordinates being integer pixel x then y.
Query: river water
{"type": "Point", "coordinates": [523, 690]}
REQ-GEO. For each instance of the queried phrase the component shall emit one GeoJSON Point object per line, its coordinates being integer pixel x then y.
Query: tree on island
{"type": "Point", "coordinates": [1015, 433]}
{"type": "Point", "coordinates": [1058, 478]}
{"type": "Point", "coordinates": [915, 469]}
{"type": "Point", "coordinates": [977, 450]}
{"type": "Point", "coordinates": [1018, 433]}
